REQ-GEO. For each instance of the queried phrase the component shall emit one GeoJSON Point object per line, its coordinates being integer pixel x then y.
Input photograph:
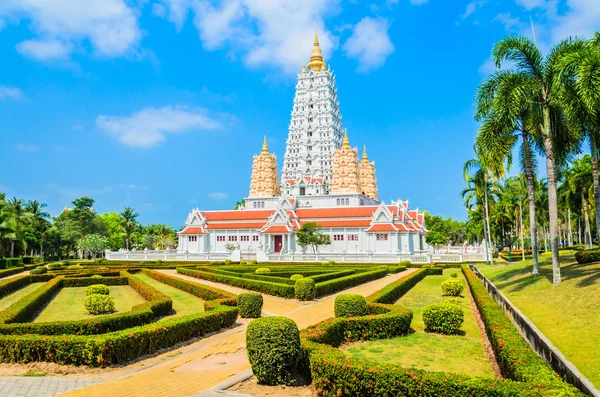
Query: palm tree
{"type": "Point", "coordinates": [542, 72]}
{"type": "Point", "coordinates": [15, 224]}
{"type": "Point", "coordinates": [128, 223]}
{"type": "Point", "coordinates": [40, 219]}
{"type": "Point", "coordinates": [578, 179]}
{"type": "Point", "coordinates": [580, 80]}
{"type": "Point", "coordinates": [504, 105]}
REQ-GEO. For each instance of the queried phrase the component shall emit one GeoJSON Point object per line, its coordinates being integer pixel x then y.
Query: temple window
{"type": "Point", "coordinates": [193, 238]}
{"type": "Point", "coordinates": [353, 237]}
{"type": "Point", "coordinates": [254, 238]}
{"type": "Point", "coordinates": [220, 238]}
{"type": "Point", "coordinates": [382, 237]}
{"type": "Point", "coordinates": [337, 201]}
{"type": "Point", "coordinates": [232, 238]}
{"type": "Point", "coordinates": [347, 201]}
{"type": "Point", "coordinates": [244, 238]}
{"type": "Point", "coordinates": [338, 237]}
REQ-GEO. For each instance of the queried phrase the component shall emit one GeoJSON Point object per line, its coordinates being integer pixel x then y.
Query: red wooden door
{"type": "Point", "coordinates": [278, 241]}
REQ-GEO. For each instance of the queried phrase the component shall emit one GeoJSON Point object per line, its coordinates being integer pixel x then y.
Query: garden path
{"type": "Point", "coordinates": [218, 357]}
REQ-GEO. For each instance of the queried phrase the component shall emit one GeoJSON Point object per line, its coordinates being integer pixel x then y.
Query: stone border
{"type": "Point", "coordinates": [537, 340]}
{"type": "Point", "coordinates": [220, 390]}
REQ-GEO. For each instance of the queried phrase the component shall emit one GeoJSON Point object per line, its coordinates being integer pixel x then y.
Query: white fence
{"type": "Point", "coordinates": [420, 258]}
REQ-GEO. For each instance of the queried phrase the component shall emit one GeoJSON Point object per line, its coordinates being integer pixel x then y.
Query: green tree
{"type": "Point", "coordinates": [93, 244]}
{"type": "Point", "coordinates": [40, 221]}
{"type": "Point", "coordinates": [310, 235]}
{"type": "Point", "coordinates": [435, 239]}
{"type": "Point", "coordinates": [542, 72]}
{"type": "Point", "coordinates": [116, 236]}
{"type": "Point", "coordinates": [240, 204]}
{"type": "Point", "coordinates": [578, 178]}
{"type": "Point", "coordinates": [128, 223]}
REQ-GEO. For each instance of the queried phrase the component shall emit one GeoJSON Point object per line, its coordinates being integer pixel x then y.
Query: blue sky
{"type": "Point", "coordinates": [160, 105]}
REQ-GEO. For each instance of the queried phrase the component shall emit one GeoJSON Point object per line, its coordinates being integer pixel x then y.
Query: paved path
{"type": "Point", "coordinates": [219, 356]}
{"type": "Point", "coordinates": [18, 386]}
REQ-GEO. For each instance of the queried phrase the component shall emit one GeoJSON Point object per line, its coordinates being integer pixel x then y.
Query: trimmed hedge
{"type": "Point", "coordinates": [10, 262]}
{"type": "Point", "coordinates": [97, 289]}
{"type": "Point", "coordinates": [396, 269]}
{"type": "Point", "coordinates": [271, 288]}
{"type": "Point", "coordinates": [201, 291]}
{"type": "Point", "coordinates": [394, 291]}
{"type": "Point", "coordinates": [296, 277]}
{"type": "Point", "coordinates": [319, 278]}
{"type": "Point", "coordinates": [588, 256]}
{"type": "Point", "coordinates": [250, 304]}
{"type": "Point", "coordinates": [350, 305]}
{"type": "Point", "coordinates": [305, 289]}
{"type": "Point", "coordinates": [10, 272]}
{"type": "Point", "coordinates": [515, 358]}
{"type": "Point", "coordinates": [273, 346]}
{"type": "Point", "coordinates": [338, 284]}
{"type": "Point", "coordinates": [443, 317]}
{"type": "Point", "coordinates": [13, 284]}
{"type": "Point", "coordinates": [262, 270]}
{"type": "Point", "coordinates": [99, 304]}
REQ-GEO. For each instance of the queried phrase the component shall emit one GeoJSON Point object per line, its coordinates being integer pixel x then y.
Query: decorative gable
{"type": "Point", "coordinates": [383, 214]}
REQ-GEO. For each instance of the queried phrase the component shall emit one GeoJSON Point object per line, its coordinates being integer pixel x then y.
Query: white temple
{"type": "Point", "coordinates": [322, 181]}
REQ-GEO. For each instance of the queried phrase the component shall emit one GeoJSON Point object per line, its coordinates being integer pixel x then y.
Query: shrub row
{"type": "Point", "coordinates": [201, 291]}
{"type": "Point", "coordinates": [23, 309]}
{"type": "Point", "coordinates": [115, 347]}
{"type": "Point", "coordinates": [252, 276]}
{"type": "Point", "coordinates": [10, 262]}
{"type": "Point", "coordinates": [396, 269]}
{"type": "Point", "coordinates": [338, 284]}
{"type": "Point", "coordinates": [10, 272]}
{"type": "Point", "coordinates": [588, 256]}
{"type": "Point", "coordinates": [394, 291]}
{"type": "Point", "coordinates": [271, 288]}
{"type": "Point", "coordinates": [13, 284]}
{"type": "Point", "coordinates": [330, 276]}
{"type": "Point", "coordinates": [84, 282]}
{"type": "Point", "coordinates": [516, 359]}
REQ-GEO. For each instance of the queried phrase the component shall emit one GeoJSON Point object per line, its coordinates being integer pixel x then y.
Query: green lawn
{"type": "Point", "coordinates": [461, 354]}
{"type": "Point", "coordinates": [17, 295]}
{"type": "Point", "coordinates": [568, 314]}
{"type": "Point", "coordinates": [183, 302]}
{"type": "Point", "coordinates": [68, 303]}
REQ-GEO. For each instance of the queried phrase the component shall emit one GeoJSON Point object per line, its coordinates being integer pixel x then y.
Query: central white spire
{"type": "Point", "coordinates": [315, 132]}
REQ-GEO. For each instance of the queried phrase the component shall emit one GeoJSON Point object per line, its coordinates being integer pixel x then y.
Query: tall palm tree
{"type": "Point", "coordinates": [542, 71]}
{"type": "Point", "coordinates": [15, 224]}
{"type": "Point", "coordinates": [40, 220]}
{"type": "Point", "coordinates": [504, 104]}
{"type": "Point", "coordinates": [578, 179]}
{"type": "Point", "coordinates": [579, 78]}
{"type": "Point", "coordinates": [128, 223]}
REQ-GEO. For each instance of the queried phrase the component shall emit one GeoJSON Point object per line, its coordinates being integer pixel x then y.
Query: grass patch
{"type": "Point", "coordinates": [568, 314]}
{"type": "Point", "coordinates": [183, 302]}
{"type": "Point", "coordinates": [17, 295]}
{"type": "Point", "coordinates": [461, 354]}
{"type": "Point", "coordinates": [68, 303]}
{"type": "Point", "coordinates": [34, 372]}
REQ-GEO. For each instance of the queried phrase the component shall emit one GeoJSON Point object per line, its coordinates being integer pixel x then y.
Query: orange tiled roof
{"type": "Point", "coordinates": [193, 230]}
{"type": "Point", "coordinates": [346, 223]}
{"type": "Point", "coordinates": [237, 215]}
{"type": "Point", "coordinates": [237, 225]}
{"type": "Point", "coordinates": [341, 212]}
{"type": "Point", "coordinates": [276, 229]}
{"type": "Point", "coordinates": [382, 227]}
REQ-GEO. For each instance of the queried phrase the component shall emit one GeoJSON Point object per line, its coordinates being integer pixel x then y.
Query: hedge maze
{"type": "Point", "coordinates": [106, 339]}
{"type": "Point", "coordinates": [284, 281]}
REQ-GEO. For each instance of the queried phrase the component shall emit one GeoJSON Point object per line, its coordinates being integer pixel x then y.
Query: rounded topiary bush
{"type": "Point", "coordinates": [249, 304]}
{"type": "Point", "coordinates": [452, 287]}
{"type": "Point", "coordinates": [97, 289]}
{"type": "Point", "coordinates": [296, 277]}
{"type": "Point", "coordinates": [454, 275]}
{"type": "Point", "coordinates": [253, 262]}
{"type": "Point", "coordinates": [443, 318]}
{"type": "Point", "coordinates": [227, 261]}
{"type": "Point", "coordinates": [262, 270]}
{"type": "Point", "coordinates": [42, 269]}
{"type": "Point", "coordinates": [324, 263]}
{"type": "Point", "coordinates": [331, 262]}
{"type": "Point", "coordinates": [305, 289]}
{"type": "Point", "coordinates": [54, 266]}
{"type": "Point", "coordinates": [36, 271]}
{"type": "Point", "coordinates": [96, 276]}
{"type": "Point", "coordinates": [273, 346]}
{"type": "Point", "coordinates": [99, 304]}
{"type": "Point", "coordinates": [350, 305]}
{"type": "Point", "coordinates": [243, 263]}
{"type": "Point", "coordinates": [75, 267]}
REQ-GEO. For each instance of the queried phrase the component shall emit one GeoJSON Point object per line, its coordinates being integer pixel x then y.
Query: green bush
{"type": "Point", "coordinates": [42, 269]}
{"type": "Point", "coordinates": [296, 276]}
{"type": "Point", "coordinates": [587, 256]}
{"type": "Point", "coordinates": [320, 278]}
{"type": "Point", "coordinates": [10, 272]}
{"type": "Point", "coordinates": [396, 269]}
{"type": "Point", "coordinates": [253, 262]}
{"type": "Point", "coordinates": [404, 263]}
{"type": "Point", "coordinates": [331, 263]}
{"type": "Point", "coordinates": [228, 261]}
{"type": "Point", "coordinates": [99, 304]}
{"type": "Point", "coordinates": [97, 289]}
{"type": "Point", "coordinates": [28, 260]}
{"type": "Point", "coordinates": [324, 263]}
{"type": "Point", "coordinates": [350, 305]}
{"type": "Point", "coordinates": [54, 266]}
{"type": "Point", "coordinates": [250, 304]}
{"type": "Point", "coordinates": [262, 270]}
{"type": "Point", "coordinates": [443, 318]}
{"type": "Point", "coordinates": [99, 260]}
{"type": "Point", "coordinates": [338, 284]}
{"type": "Point", "coordinates": [304, 289]}
{"type": "Point", "coordinates": [452, 287]}
{"type": "Point", "coordinates": [37, 271]}
{"type": "Point", "coordinates": [96, 276]}
{"type": "Point", "coordinates": [273, 346]}
{"type": "Point", "coordinates": [75, 267]}
{"type": "Point", "coordinates": [454, 275]}
{"type": "Point", "coordinates": [243, 263]}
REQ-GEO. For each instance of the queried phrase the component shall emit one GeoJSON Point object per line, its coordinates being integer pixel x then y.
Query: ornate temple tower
{"type": "Point", "coordinates": [315, 130]}
{"type": "Point", "coordinates": [264, 181]}
{"type": "Point", "coordinates": [366, 176]}
{"type": "Point", "coordinates": [345, 179]}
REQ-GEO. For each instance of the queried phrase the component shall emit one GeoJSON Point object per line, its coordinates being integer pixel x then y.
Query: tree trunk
{"type": "Point", "coordinates": [586, 217]}
{"type": "Point", "coordinates": [12, 248]}
{"type": "Point", "coordinates": [521, 221]}
{"type": "Point", "coordinates": [552, 200]}
{"type": "Point", "coordinates": [578, 230]}
{"type": "Point", "coordinates": [127, 243]}
{"type": "Point", "coordinates": [487, 220]}
{"type": "Point", "coordinates": [570, 237]}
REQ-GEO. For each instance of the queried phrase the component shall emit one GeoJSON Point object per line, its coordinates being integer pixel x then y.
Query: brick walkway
{"type": "Point", "coordinates": [21, 386]}
{"type": "Point", "coordinates": [220, 356]}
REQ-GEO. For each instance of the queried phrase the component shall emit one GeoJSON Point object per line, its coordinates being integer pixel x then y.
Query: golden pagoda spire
{"type": "Point", "coordinates": [303, 68]}
{"type": "Point", "coordinates": [316, 63]}
{"type": "Point", "coordinates": [365, 158]}
{"type": "Point", "coordinates": [346, 141]}
{"type": "Point", "coordinates": [265, 148]}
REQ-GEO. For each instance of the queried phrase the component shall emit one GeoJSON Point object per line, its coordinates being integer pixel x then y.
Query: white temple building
{"type": "Point", "coordinates": [322, 181]}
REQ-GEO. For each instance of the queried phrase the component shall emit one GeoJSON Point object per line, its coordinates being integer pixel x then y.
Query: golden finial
{"type": "Point", "coordinates": [365, 158]}
{"type": "Point", "coordinates": [346, 142]}
{"type": "Point", "coordinates": [316, 63]}
{"type": "Point", "coordinates": [303, 68]}
{"type": "Point", "coordinates": [265, 148]}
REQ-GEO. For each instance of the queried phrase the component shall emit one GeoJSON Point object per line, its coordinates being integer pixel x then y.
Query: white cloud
{"type": "Point", "coordinates": [149, 126]}
{"type": "Point", "coordinates": [472, 7]}
{"type": "Point", "coordinates": [177, 10]}
{"type": "Point", "coordinates": [45, 50]}
{"type": "Point", "coordinates": [110, 26]}
{"type": "Point", "coordinates": [7, 92]}
{"type": "Point", "coordinates": [507, 20]}
{"type": "Point", "coordinates": [531, 4]}
{"type": "Point", "coordinates": [27, 148]}
{"type": "Point", "coordinates": [369, 43]}
{"type": "Point", "coordinates": [218, 196]}
{"type": "Point", "coordinates": [488, 67]}
{"type": "Point", "coordinates": [159, 10]}
{"type": "Point", "coordinates": [276, 34]}
{"type": "Point", "coordinates": [582, 18]}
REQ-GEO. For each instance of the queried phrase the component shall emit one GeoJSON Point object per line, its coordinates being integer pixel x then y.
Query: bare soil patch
{"type": "Point", "coordinates": [250, 386]}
